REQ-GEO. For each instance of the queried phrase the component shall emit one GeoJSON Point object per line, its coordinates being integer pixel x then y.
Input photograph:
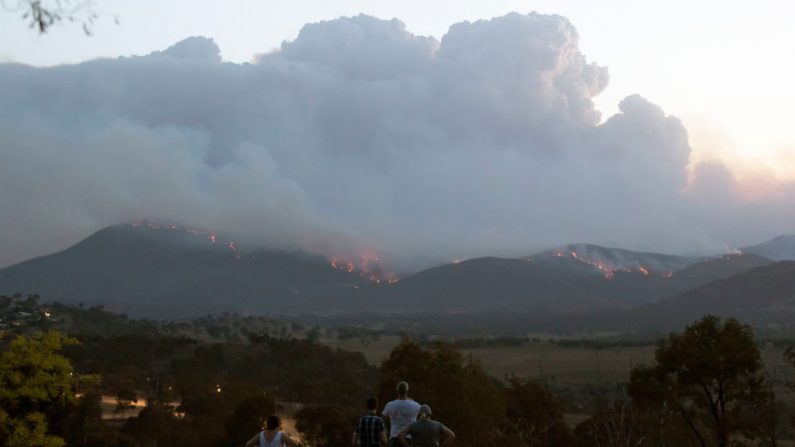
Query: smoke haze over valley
{"type": "Point", "coordinates": [361, 137]}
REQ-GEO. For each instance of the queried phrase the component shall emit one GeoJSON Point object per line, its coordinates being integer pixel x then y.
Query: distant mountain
{"type": "Point", "coordinates": [169, 271]}
{"type": "Point", "coordinates": [575, 279]}
{"type": "Point", "coordinates": [554, 285]}
{"type": "Point", "coordinates": [761, 296]}
{"type": "Point", "coordinates": [610, 260]}
{"type": "Point", "coordinates": [781, 248]}
{"type": "Point", "coordinates": [712, 269]}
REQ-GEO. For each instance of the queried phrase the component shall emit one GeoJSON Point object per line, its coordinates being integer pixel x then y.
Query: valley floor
{"type": "Point", "coordinates": [561, 364]}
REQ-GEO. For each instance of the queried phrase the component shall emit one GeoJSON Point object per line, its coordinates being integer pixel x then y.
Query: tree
{"type": "Point", "coordinates": [617, 422]}
{"type": "Point", "coordinates": [247, 418]}
{"type": "Point", "coordinates": [125, 400]}
{"type": "Point", "coordinates": [534, 416]}
{"type": "Point", "coordinates": [43, 14]}
{"type": "Point", "coordinates": [711, 376]}
{"type": "Point", "coordinates": [789, 356]}
{"type": "Point", "coordinates": [459, 391]}
{"type": "Point", "coordinates": [34, 381]}
{"type": "Point", "coordinates": [326, 425]}
{"type": "Point", "coordinates": [155, 426]}
{"type": "Point", "coordinates": [84, 417]}
{"type": "Point", "coordinates": [771, 416]}
{"type": "Point", "coordinates": [313, 334]}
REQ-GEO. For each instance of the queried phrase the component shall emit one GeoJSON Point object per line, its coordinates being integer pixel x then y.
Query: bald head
{"type": "Point", "coordinates": [403, 389]}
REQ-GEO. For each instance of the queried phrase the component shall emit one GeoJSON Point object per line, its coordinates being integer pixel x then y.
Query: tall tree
{"type": "Point", "coordinates": [248, 418]}
{"type": "Point", "coordinates": [534, 416]}
{"type": "Point", "coordinates": [34, 380]}
{"type": "Point", "coordinates": [458, 390]}
{"type": "Point", "coordinates": [326, 425]}
{"type": "Point", "coordinates": [711, 375]}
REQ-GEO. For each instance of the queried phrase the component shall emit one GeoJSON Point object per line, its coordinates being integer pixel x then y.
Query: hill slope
{"type": "Point", "coordinates": [556, 282]}
{"type": "Point", "coordinates": [171, 272]}
{"type": "Point", "coordinates": [760, 296]}
{"type": "Point", "coordinates": [781, 248]}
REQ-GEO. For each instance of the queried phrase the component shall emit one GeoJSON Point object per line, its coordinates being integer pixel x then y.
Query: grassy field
{"type": "Point", "coordinates": [564, 365]}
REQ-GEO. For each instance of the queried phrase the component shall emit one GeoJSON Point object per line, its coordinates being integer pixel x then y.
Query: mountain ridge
{"type": "Point", "coordinates": [170, 271]}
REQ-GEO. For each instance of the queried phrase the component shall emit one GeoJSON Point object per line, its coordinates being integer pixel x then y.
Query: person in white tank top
{"type": "Point", "coordinates": [272, 436]}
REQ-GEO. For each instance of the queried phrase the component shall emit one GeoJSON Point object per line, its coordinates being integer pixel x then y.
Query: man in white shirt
{"type": "Point", "coordinates": [400, 412]}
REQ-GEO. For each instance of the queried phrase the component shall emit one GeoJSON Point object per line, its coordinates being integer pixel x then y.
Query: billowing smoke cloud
{"type": "Point", "coordinates": [361, 135]}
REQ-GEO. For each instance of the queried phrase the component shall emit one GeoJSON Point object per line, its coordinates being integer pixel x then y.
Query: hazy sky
{"type": "Point", "coordinates": [456, 130]}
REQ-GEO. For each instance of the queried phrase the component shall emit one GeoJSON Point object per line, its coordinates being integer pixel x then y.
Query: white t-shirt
{"type": "Point", "coordinates": [401, 413]}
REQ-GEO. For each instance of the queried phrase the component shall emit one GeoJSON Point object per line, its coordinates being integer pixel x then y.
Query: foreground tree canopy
{"type": "Point", "coordinates": [706, 388]}
{"type": "Point", "coordinates": [460, 392]}
{"type": "Point", "coordinates": [710, 375]}
{"type": "Point", "coordinates": [34, 381]}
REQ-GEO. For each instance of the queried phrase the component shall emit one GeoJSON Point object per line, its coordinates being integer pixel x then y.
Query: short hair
{"type": "Point", "coordinates": [273, 422]}
{"type": "Point", "coordinates": [425, 409]}
{"type": "Point", "coordinates": [372, 403]}
{"type": "Point", "coordinates": [403, 387]}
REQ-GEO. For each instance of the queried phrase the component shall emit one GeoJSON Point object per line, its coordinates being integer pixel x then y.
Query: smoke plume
{"type": "Point", "coordinates": [359, 135]}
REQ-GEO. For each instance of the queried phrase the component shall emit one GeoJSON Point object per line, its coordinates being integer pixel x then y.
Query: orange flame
{"type": "Point", "coordinates": [211, 236]}
{"type": "Point", "coordinates": [607, 270]}
{"type": "Point", "coordinates": [366, 266]}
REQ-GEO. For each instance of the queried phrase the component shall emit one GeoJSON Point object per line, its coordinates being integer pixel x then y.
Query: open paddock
{"type": "Point", "coordinates": [561, 364]}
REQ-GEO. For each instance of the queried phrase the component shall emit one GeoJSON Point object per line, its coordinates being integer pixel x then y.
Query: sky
{"type": "Point", "coordinates": [662, 125]}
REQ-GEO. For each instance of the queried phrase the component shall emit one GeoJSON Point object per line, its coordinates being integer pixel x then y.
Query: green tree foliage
{"type": "Point", "coordinates": [156, 425]}
{"type": "Point", "coordinates": [299, 370]}
{"type": "Point", "coordinates": [208, 410]}
{"type": "Point", "coordinates": [326, 425]}
{"type": "Point", "coordinates": [534, 417]}
{"type": "Point", "coordinates": [710, 375]}
{"type": "Point", "coordinates": [84, 417]}
{"type": "Point", "coordinates": [34, 381]}
{"type": "Point", "coordinates": [82, 425]}
{"type": "Point", "coordinates": [248, 418]}
{"type": "Point", "coordinates": [459, 391]}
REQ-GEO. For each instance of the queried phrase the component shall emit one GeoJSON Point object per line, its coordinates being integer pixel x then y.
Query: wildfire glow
{"type": "Point", "coordinates": [210, 235]}
{"type": "Point", "coordinates": [366, 266]}
{"type": "Point", "coordinates": [607, 269]}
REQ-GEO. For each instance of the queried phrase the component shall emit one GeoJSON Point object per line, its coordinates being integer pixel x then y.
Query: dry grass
{"type": "Point", "coordinates": [565, 365]}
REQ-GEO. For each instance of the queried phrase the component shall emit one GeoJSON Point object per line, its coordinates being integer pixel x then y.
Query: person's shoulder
{"type": "Point", "coordinates": [413, 403]}
{"type": "Point", "coordinates": [395, 403]}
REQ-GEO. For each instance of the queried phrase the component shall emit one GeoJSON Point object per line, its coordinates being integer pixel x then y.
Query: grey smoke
{"type": "Point", "coordinates": [359, 135]}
